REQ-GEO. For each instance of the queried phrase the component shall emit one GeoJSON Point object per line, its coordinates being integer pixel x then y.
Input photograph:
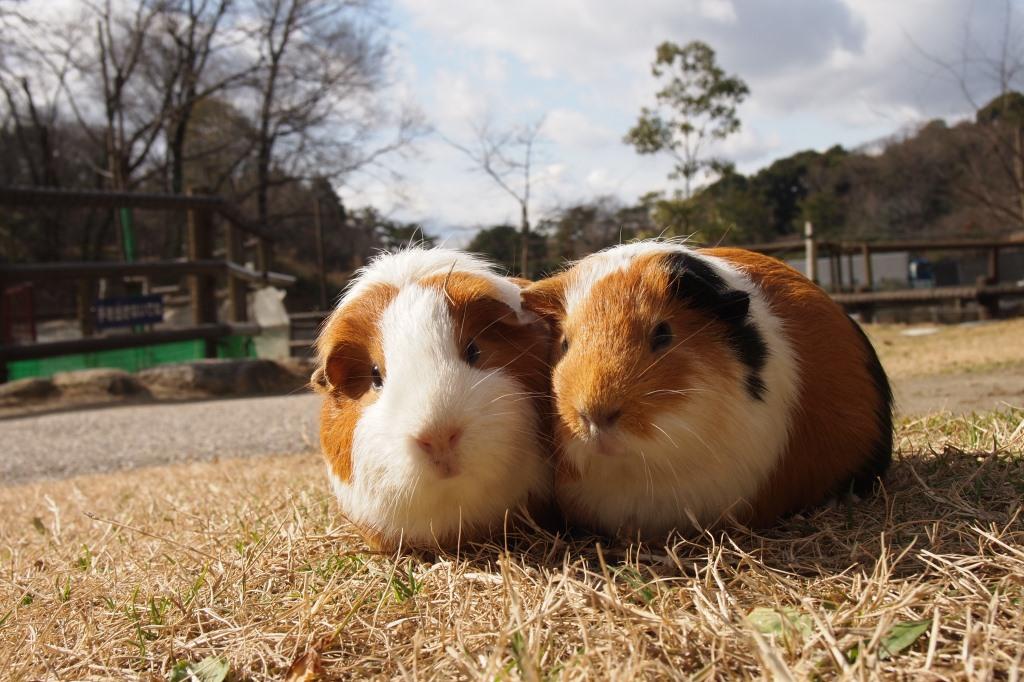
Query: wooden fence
{"type": "Point", "coordinates": [987, 291]}
{"type": "Point", "coordinates": [200, 267]}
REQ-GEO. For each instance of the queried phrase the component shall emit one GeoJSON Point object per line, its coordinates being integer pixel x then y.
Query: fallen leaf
{"type": "Point", "coordinates": [210, 669]}
{"type": "Point", "coordinates": [784, 622]}
{"type": "Point", "coordinates": [305, 668]}
{"type": "Point", "coordinates": [901, 636]}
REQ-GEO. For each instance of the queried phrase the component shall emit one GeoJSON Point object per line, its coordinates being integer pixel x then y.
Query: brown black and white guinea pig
{"type": "Point", "coordinates": [697, 385]}
{"type": "Point", "coordinates": [436, 398]}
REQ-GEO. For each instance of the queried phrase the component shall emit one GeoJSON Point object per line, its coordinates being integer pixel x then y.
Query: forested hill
{"type": "Point", "coordinates": [965, 179]}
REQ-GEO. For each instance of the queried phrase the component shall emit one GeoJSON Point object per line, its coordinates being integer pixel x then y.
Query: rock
{"type": "Point", "coordinates": [27, 389]}
{"type": "Point", "coordinates": [267, 376]}
{"type": "Point", "coordinates": [168, 377]}
{"type": "Point", "coordinates": [110, 381]}
{"type": "Point", "coordinates": [224, 377]}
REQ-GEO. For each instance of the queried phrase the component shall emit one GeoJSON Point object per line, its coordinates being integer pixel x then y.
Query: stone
{"type": "Point", "coordinates": [33, 388]}
{"type": "Point", "coordinates": [102, 380]}
{"type": "Point", "coordinates": [224, 377]}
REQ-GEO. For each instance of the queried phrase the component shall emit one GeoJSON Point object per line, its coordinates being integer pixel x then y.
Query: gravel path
{"type": "Point", "coordinates": [62, 444]}
{"type": "Point", "coordinates": [66, 443]}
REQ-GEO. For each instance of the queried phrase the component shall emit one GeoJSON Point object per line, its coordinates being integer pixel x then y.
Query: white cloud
{"type": "Point", "coordinates": [821, 72]}
{"type": "Point", "coordinates": [570, 128]}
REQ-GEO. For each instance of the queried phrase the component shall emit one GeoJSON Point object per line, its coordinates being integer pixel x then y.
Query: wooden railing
{"type": "Point", "coordinates": [200, 267]}
{"type": "Point", "coordinates": [986, 291]}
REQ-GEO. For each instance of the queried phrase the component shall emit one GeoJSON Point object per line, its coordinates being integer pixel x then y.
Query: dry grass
{"type": "Point", "coordinates": [954, 348]}
{"type": "Point", "coordinates": [123, 576]}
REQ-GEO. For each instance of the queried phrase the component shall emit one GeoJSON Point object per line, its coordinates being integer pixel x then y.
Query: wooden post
{"type": "Point", "coordinates": [86, 292]}
{"type": "Point", "coordinates": [989, 304]}
{"type": "Point", "coordinates": [200, 247]}
{"type": "Point", "coordinates": [993, 265]}
{"type": "Point", "coordinates": [869, 274]}
{"type": "Point", "coordinates": [4, 320]}
{"type": "Point", "coordinates": [235, 253]}
{"type": "Point", "coordinates": [810, 253]}
{"type": "Point", "coordinates": [264, 255]}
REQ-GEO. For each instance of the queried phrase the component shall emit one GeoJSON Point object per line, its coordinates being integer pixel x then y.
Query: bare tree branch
{"type": "Point", "coordinates": [506, 157]}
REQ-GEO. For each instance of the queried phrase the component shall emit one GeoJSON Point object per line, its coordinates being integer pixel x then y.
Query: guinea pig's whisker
{"type": "Point", "coordinates": [665, 354]}
{"type": "Point", "coordinates": [497, 369]}
{"type": "Point", "coordinates": [676, 391]}
{"type": "Point", "coordinates": [677, 487]}
{"type": "Point", "coordinates": [697, 436]}
{"type": "Point", "coordinates": [486, 377]}
{"type": "Point", "coordinates": [496, 321]}
{"type": "Point", "coordinates": [647, 470]}
{"type": "Point", "coordinates": [670, 439]}
{"type": "Point", "coordinates": [525, 395]}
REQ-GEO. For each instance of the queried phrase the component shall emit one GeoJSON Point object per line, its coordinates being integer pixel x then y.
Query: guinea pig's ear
{"type": "Point", "coordinates": [348, 369]}
{"type": "Point", "coordinates": [696, 283]}
{"type": "Point", "coordinates": [546, 298]}
{"type": "Point", "coordinates": [318, 380]}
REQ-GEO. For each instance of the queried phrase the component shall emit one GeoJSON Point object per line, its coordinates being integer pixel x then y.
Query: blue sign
{"type": "Point", "coordinates": [127, 311]}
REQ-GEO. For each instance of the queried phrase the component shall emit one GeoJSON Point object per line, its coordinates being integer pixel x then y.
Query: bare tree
{"type": "Point", "coordinates": [989, 77]}
{"type": "Point", "coordinates": [191, 38]}
{"type": "Point", "coordinates": [98, 59]}
{"type": "Point", "coordinates": [322, 61]}
{"type": "Point", "coordinates": [32, 108]}
{"type": "Point", "coordinates": [506, 156]}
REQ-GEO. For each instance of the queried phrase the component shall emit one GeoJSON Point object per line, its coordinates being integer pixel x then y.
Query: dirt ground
{"type": "Point", "coordinates": [960, 393]}
{"type": "Point", "coordinates": [972, 367]}
{"type": "Point", "coordinates": [918, 350]}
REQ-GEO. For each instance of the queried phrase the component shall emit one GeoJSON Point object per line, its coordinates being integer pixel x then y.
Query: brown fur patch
{"type": "Point", "coordinates": [611, 367]}
{"type": "Point", "coordinates": [349, 346]}
{"type": "Point", "coordinates": [521, 350]}
{"type": "Point", "coordinates": [834, 425]}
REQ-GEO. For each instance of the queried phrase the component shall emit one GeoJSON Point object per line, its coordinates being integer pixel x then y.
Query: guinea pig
{"type": "Point", "coordinates": [436, 398]}
{"type": "Point", "coordinates": [695, 386]}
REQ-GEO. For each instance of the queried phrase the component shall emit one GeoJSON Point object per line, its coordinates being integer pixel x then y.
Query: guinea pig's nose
{"type": "Point", "coordinates": [439, 440]}
{"type": "Point", "coordinates": [595, 420]}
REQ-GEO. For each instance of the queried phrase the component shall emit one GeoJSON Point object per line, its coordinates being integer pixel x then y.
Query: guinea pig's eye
{"type": "Point", "coordinates": [472, 353]}
{"type": "Point", "coordinates": [375, 378]}
{"type": "Point", "coordinates": [565, 345]}
{"type": "Point", "coordinates": [661, 337]}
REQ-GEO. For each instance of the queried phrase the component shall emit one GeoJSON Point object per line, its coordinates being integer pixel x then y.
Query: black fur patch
{"type": "Point", "coordinates": [880, 457]}
{"type": "Point", "coordinates": [698, 285]}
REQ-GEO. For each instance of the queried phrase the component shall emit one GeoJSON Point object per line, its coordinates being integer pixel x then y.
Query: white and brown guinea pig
{"type": "Point", "coordinates": [697, 385]}
{"type": "Point", "coordinates": [436, 395]}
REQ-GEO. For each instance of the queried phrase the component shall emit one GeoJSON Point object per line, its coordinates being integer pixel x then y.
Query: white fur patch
{"type": "Point", "coordinates": [713, 453]}
{"type": "Point", "coordinates": [587, 272]}
{"type": "Point", "coordinates": [393, 488]}
{"type": "Point", "coordinates": [415, 264]}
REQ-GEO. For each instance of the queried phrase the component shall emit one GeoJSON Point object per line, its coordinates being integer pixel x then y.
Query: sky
{"type": "Point", "coordinates": [820, 72]}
